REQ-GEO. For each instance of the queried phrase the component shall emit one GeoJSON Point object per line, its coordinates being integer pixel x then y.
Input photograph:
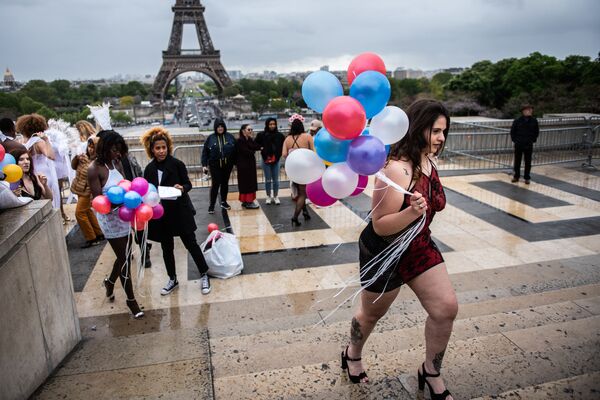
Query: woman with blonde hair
{"type": "Point", "coordinates": [86, 130]}
{"type": "Point", "coordinates": [178, 218]}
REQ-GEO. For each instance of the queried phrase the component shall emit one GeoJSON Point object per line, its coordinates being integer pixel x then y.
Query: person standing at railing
{"type": "Point", "coordinates": [271, 143]}
{"type": "Point", "coordinates": [524, 133]}
{"type": "Point", "coordinates": [246, 167]}
{"type": "Point", "coordinates": [219, 156]}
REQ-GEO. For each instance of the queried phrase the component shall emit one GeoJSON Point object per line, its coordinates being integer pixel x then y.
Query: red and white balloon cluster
{"type": "Point", "coordinates": [138, 200]}
{"type": "Point", "coordinates": [351, 148]}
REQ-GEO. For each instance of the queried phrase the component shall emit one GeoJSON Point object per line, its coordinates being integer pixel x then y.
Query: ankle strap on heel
{"type": "Point", "coordinates": [351, 359]}
{"type": "Point", "coordinates": [427, 374]}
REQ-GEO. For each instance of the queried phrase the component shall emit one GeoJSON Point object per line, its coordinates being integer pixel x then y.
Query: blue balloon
{"type": "Point", "coordinates": [319, 88]}
{"type": "Point", "coordinates": [115, 194]}
{"type": "Point", "coordinates": [152, 188]}
{"type": "Point", "coordinates": [365, 132]}
{"type": "Point", "coordinates": [132, 199]}
{"type": "Point", "coordinates": [8, 159]}
{"type": "Point", "coordinates": [329, 148]}
{"type": "Point", "coordinates": [372, 89]}
{"type": "Point", "coordinates": [388, 147]}
{"type": "Point", "coordinates": [366, 155]}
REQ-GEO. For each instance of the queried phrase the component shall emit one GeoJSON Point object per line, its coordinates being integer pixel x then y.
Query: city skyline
{"type": "Point", "coordinates": [274, 36]}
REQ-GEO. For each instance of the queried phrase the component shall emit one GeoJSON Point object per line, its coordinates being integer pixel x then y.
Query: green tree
{"type": "Point", "coordinates": [278, 105]}
{"type": "Point", "coordinates": [127, 101]}
{"type": "Point", "coordinates": [47, 112]}
{"type": "Point", "coordinates": [28, 105]}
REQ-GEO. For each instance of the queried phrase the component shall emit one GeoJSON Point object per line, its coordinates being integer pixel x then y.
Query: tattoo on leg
{"type": "Point", "coordinates": [437, 361]}
{"type": "Point", "coordinates": [355, 335]}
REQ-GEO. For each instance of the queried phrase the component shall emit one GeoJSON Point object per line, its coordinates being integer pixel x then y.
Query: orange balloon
{"type": "Point", "coordinates": [13, 173]}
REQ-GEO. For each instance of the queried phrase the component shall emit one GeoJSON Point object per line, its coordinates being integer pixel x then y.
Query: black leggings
{"type": "Point", "coordinates": [190, 243]}
{"type": "Point", "coordinates": [220, 179]}
{"type": "Point", "coordinates": [300, 200]}
{"type": "Point", "coordinates": [122, 266]}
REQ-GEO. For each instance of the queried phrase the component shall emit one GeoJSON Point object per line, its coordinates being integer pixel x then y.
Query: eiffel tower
{"type": "Point", "coordinates": [176, 60]}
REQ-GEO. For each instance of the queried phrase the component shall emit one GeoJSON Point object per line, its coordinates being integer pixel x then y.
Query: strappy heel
{"type": "Point", "coordinates": [305, 214]}
{"type": "Point", "coordinates": [134, 308]}
{"type": "Point", "coordinates": [110, 288]}
{"type": "Point", "coordinates": [423, 380]}
{"type": "Point", "coordinates": [353, 378]}
{"type": "Point", "coordinates": [295, 222]}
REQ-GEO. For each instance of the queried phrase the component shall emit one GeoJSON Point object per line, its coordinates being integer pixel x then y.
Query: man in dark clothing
{"type": "Point", "coordinates": [219, 155]}
{"type": "Point", "coordinates": [7, 136]}
{"type": "Point", "coordinates": [524, 133]}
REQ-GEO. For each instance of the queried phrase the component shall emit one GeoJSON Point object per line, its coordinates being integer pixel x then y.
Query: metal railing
{"type": "Point", "coordinates": [470, 146]}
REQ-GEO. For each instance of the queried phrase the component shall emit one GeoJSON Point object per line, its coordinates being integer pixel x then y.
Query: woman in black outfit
{"type": "Point", "coordinates": [178, 219]}
{"type": "Point", "coordinates": [246, 167]}
{"type": "Point", "coordinates": [219, 156]}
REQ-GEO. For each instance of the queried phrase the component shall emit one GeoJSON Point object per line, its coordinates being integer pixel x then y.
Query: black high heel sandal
{"type": "Point", "coordinates": [110, 288]}
{"type": "Point", "coordinates": [353, 378]}
{"type": "Point", "coordinates": [305, 214]}
{"type": "Point", "coordinates": [295, 222]}
{"type": "Point", "coordinates": [423, 381]}
{"type": "Point", "coordinates": [134, 308]}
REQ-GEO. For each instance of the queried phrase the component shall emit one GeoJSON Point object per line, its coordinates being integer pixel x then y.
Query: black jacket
{"type": "Point", "coordinates": [219, 150]}
{"type": "Point", "coordinates": [524, 130]}
{"type": "Point", "coordinates": [131, 167]}
{"type": "Point", "coordinates": [179, 213]}
{"type": "Point", "coordinates": [271, 143]}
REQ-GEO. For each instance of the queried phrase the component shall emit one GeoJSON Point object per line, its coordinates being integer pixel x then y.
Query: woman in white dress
{"type": "Point", "coordinates": [32, 127]}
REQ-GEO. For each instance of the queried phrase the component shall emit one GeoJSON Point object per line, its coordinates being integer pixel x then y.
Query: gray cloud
{"type": "Point", "coordinates": [91, 39]}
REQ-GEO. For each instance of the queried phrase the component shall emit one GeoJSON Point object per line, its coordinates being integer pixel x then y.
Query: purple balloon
{"type": "Point", "coordinates": [363, 180]}
{"type": "Point", "coordinates": [126, 214]}
{"type": "Point", "coordinates": [139, 185]}
{"type": "Point", "coordinates": [157, 211]}
{"type": "Point", "coordinates": [316, 194]}
{"type": "Point", "coordinates": [366, 155]}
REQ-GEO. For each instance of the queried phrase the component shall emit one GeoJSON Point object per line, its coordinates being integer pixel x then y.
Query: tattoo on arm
{"type": "Point", "coordinates": [405, 171]}
{"type": "Point", "coordinates": [437, 360]}
{"type": "Point", "coordinates": [355, 335]}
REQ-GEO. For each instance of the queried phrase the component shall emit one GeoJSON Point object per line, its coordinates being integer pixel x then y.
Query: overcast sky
{"type": "Point", "coordinates": [72, 39]}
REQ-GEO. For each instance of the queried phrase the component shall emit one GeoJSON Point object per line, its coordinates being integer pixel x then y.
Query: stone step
{"type": "Point", "coordinates": [586, 386]}
{"type": "Point", "coordinates": [296, 310]}
{"type": "Point", "coordinates": [173, 363]}
{"type": "Point", "coordinates": [485, 365]}
{"type": "Point", "coordinates": [268, 350]}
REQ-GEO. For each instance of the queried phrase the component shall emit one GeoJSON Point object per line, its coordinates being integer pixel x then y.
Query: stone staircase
{"type": "Point", "coordinates": [530, 331]}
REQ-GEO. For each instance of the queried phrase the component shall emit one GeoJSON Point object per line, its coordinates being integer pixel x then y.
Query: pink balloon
{"type": "Point", "coordinates": [144, 213]}
{"type": "Point", "coordinates": [126, 214]}
{"type": "Point", "coordinates": [125, 184]}
{"type": "Point", "coordinates": [363, 180]}
{"type": "Point", "coordinates": [344, 118]}
{"type": "Point", "coordinates": [2, 152]}
{"type": "Point", "coordinates": [157, 211]}
{"type": "Point", "coordinates": [316, 194]}
{"type": "Point", "coordinates": [365, 62]}
{"type": "Point", "coordinates": [101, 204]}
{"type": "Point", "coordinates": [139, 185]}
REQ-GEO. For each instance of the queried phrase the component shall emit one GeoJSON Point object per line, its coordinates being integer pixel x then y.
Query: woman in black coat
{"type": "Point", "coordinates": [246, 167]}
{"type": "Point", "coordinates": [178, 219]}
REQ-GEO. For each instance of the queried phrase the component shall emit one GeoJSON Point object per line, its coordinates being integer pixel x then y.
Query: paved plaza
{"type": "Point", "coordinates": [524, 260]}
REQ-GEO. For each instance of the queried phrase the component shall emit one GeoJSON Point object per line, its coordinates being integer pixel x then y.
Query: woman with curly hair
{"type": "Point", "coordinates": [32, 127]}
{"type": "Point", "coordinates": [104, 172]}
{"type": "Point", "coordinates": [178, 219]}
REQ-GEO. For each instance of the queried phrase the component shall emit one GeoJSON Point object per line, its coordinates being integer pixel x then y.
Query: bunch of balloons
{"type": "Point", "coordinates": [8, 165]}
{"type": "Point", "coordinates": [350, 148]}
{"type": "Point", "coordinates": [138, 200]}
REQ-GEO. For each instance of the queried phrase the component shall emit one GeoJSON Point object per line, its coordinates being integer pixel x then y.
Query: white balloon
{"type": "Point", "coordinates": [304, 166]}
{"type": "Point", "coordinates": [339, 180]}
{"type": "Point", "coordinates": [390, 125]}
{"type": "Point", "coordinates": [151, 199]}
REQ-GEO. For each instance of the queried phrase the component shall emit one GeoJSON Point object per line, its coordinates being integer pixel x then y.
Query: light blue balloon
{"type": "Point", "coordinates": [152, 188]}
{"type": "Point", "coordinates": [115, 194]}
{"type": "Point", "coordinates": [132, 199]}
{"type": "Point", "coordinates": [372, 89]}
{"type": "Point", "coordinates": [319, 88]}
{"type": "Point", "coordinates": [8, 159]}
{"type": "Point", "coordinates": [329, 148]}
{"type": "Point", "coordinates": [388, 147]}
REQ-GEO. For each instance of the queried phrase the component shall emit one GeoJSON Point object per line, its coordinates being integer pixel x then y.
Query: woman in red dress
{"type": "Point", "coordinates": [411, 165]}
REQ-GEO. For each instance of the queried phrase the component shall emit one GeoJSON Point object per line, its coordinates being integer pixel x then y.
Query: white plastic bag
{"type": "Point", "coordinates": [223, 256]}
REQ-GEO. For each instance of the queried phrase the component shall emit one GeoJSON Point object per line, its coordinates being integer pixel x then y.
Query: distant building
{"type": "Point", "coordinates": [235, 75]}
{"type": "Point", "coordinates": [324, 68]}
{"type": "Point", "coordinates": [402, 73]}
{"type": "Point", "coordinates": [9, 79]}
